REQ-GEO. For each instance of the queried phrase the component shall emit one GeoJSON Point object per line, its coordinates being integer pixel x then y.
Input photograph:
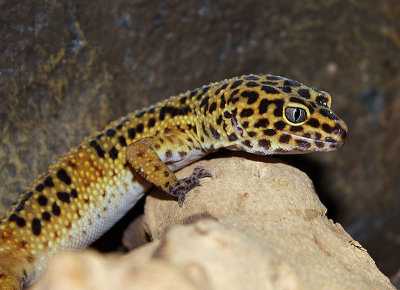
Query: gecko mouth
{"type": "Point", "coordinates": [328, 145]}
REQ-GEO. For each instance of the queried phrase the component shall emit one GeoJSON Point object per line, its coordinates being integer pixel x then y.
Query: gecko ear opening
{"type": "Point", "coordinates": [295, 114]}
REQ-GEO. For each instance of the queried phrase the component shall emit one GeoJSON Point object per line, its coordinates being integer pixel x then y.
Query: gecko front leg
{"type": "Point", "coordinates": [149, 156]}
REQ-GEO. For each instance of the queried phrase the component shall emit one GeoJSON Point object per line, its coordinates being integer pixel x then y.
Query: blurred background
{"type": "Point", "coordinates": [67, 68]}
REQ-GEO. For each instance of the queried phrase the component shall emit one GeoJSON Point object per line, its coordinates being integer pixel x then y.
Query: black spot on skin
{"type": "Point", "coordinates": [262, 123]}
{"type": "Point", "coordinates": [227, 115]}
{"type": "Point", "coordinates": [251, 95]}
{"type": "Point", "coordinates": [319, 144]}
{"type": "Point", "coordinates": [42, 200]}
{"type": "Point", "coordinates": [291, 83]}
{"type": "Point", "coordinates": [63, 176]}
{"type": "Point", "coordinates": [269, 83]}
{"type": "Point", "coordinates": [39, 187]}
{"type": "Point", "coordinates": [318, 136]}
{"type": "Point", "coordinates": [219, 120]}
{"type": "Point", "coordinates": [183, 99]}
{"type": "Point", "coordinates": [269, 132]}
{"type": "Point", "coordinates": [251, 78]}
{"type": "Point", "coordinates": [74, 193]}
{"type": "Point", "coordinates": [247, 143]}
{"type": "Point", "coordinates": [329, 114]}
{"type": "Point", "coordinates": [13, 217]}
{"type": "Point", "coordinates": [214, 132]}
{"type": "Point", "coordinates": [322, 101]}
{"type": "Point", "coordinates": [100, 152]}
{"type": "Point", "coordinates": [168, 154]}
{"type": "Point", "coordinates": [224, 86]}
{"type": "Point", "coordinates": [223, 102]}
{"type": "Point", "coordinates": [296, 128]}
{"type": "Point", "coordinates": [151, 123]}
{"type": "Point", "coordinates": [151, 111]}
{"type": "Point", "coordinates": [246, 113]}
{"type": "Point", "coordinates": [251, 133]}
{"type": "Point", "coordinates": [269, 90]}
{"type": "Point", "coordinates": [313, 123]}
{"type": "Point", "coordinates": [132, 133]}
{"type": "Point", "coordinates": [20, 222]}
{"type": "Point", "coordinates": [55, 209]}
{"type": "Point", "coordinates": [46, 216]}
{"type": "Point", "coordinates": [263, 143]}
{"type": "Point", "coordinates": [235, 84]}
{"type": "Point", "coordinates": [274, 78]}
{"type": "Point", "coordinates": [122, 141]}
{"type": "Point", "coordinates": [113, 153]}
{"type": "Point", "coordinates": [204, 130]}
{"type": "Point", "coordinates": [21, 205]}
{"type": "Point", "coordinates": [327, 128]}
{"type": "Point", "coordinates": [262, 108]}
{"type": "Point", "coordinates": [192, 94]}
{"type": "Point", "coordinates": [285, 139]}
{"type": "Point", "coordinates": [204, 102]}
{"type": "Point", "coordinates": [245, 124]}
{"type": "Point", "coordinates": [36, 226]}
{"type": "Point", "coordinates": [203, 92]}
{"type": "Point", "coordinates": [205, 89]}
{"type": "Point", "coordinates": [304, 93]}
{"type": "Point", "coordinates": [279, 125]}
{"type": "Point", "coordinates": [63, 196]}
{"type": "Point", "coordinates": [252, 84]}
{"type": "Point", "coordinates": [286, 89]}
{"type": "Point", "coordinates": [217, 91]}
{"type": "Point", "coordinates": [303, 143]}
{"type": "Point", "coordinates": [232, 99]}
{"type": "Point", "coordinates": [213, 107]}
{"type": "Point", "coordinates": [139, 128]}
{"type": "Point", "coordinates": [110, 132]}
{"type": "Point", "coordinates": [232, 137]}
{"type": "Point", "coordinates": [278, 112]}
{"type": "Point", "coordinates": [48, 182]}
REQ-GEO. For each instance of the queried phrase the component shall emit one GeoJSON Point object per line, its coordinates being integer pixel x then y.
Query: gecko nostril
{"type": "Point", "coordinates": [342, 133]}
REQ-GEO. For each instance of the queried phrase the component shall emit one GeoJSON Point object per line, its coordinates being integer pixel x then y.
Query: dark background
{"type": "Point", "coordinates": [69, 67]}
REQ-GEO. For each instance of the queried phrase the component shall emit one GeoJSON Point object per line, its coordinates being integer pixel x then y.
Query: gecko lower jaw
{"type": "Point", "coordinates": [323, 145]}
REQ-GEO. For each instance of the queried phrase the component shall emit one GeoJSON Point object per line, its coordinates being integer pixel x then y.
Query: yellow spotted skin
{"type": "Point", "coordinates": [87, 190]}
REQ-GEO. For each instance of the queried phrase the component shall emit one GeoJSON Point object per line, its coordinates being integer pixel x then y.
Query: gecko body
{"type": "Point", "coordinates": [91, 187]}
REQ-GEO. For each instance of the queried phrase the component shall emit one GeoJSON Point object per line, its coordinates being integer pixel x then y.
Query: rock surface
{"type": "Point", "coordinates": [253, 225]}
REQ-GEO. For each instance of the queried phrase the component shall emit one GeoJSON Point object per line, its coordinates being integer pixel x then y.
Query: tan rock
{"type": "Point", "coordinates": [253, 225]}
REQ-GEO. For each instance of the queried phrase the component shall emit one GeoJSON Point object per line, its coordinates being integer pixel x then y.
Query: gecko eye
{"type": "Point", "coordinates": [295, 115]}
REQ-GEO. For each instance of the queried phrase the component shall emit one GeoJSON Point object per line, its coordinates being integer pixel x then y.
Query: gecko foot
{"type": "Point", "coordinates": [185, 184]}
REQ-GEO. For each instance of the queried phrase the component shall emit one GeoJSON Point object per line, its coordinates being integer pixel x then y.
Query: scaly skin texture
{"type": "Point", "coordinates": [87, 190]}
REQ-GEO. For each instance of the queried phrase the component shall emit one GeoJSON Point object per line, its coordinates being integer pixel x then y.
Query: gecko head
{"type": "Point", "coordinates": [270, 114]}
